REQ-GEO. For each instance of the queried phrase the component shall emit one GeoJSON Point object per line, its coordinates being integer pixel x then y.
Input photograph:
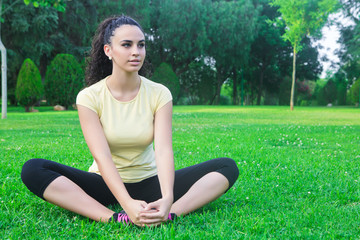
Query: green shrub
{"type": "Point", "coordinates": [354, 92]}
{"type": "Point", "coordinates": [166, 76]}
{"type": "Point", "coordinates": [64, 79]}
{"type": "Point", "coordinates": [29, 88]}
{"type": "Point", "coordinates": [225, 100]}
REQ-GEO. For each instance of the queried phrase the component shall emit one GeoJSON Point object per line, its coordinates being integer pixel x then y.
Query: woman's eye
{"type": "Point", "coordinates": [141, 45]}
{"type": "Point", "coordinates": [126, 45]}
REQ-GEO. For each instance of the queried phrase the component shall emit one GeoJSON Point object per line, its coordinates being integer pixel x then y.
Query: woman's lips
{"type": "Point", "coordinates": [135, 62]}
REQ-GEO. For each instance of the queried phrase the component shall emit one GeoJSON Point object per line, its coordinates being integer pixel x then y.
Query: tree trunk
{"type": "Point", "coordinates": [252, 90]}
{"type": "Point", "coordinates": [3, 75]}
{"type": "Point", "coordinates": [293, 81]}
{"type": "Point", "coordinates": [216, 99]}
{"type": "Point", "coordinates": [242, 88]}
{"type": "Point", "coordinates": [260, 85]}
{"type": "Point", "coordinates": [235, 88]}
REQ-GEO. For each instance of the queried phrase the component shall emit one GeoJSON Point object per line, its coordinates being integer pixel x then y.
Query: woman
{"type": "Point", "coordinates": [121, 115]}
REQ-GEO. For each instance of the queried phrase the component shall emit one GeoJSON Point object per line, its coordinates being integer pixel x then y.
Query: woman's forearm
{"type": "Point", "coordinates": [164, 154]}
{"type": "Point", "coordinates": [166, 173]}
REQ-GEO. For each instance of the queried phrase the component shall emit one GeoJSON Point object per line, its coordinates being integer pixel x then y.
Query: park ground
{"type": "Point", "coordinates": [299, 174]}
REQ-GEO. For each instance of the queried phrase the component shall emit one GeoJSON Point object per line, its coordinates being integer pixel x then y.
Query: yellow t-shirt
{"type": "Point", "coordinates": [128, 126]}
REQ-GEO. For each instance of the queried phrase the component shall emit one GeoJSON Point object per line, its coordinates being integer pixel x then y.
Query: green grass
{"type": "Point", "coordinates": [299, 174]}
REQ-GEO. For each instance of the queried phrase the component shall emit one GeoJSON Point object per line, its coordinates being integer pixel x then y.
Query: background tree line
{"type": "Point", "coordinates": [205, 51]}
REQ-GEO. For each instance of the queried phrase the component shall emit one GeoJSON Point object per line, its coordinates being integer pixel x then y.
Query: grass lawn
{"type": "Point", "coordinates": [299, 174]}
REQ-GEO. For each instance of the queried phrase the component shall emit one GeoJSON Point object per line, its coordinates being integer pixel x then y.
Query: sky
{"type": "Point", "coordinates": [330, 36]}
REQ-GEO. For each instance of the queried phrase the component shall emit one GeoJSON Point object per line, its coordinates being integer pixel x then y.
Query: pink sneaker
{"type": "Point", "coordinates": [124, 218]}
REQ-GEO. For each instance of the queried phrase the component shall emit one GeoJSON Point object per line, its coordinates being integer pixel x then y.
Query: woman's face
{"type": "Point", "coordinates": [127, 48]}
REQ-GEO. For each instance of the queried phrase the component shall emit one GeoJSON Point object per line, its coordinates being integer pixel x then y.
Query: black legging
{"type": "Point", "coordinates": [37, 174]}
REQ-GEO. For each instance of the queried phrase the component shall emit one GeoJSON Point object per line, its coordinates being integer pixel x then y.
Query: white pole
{"type": "Point", "coordinates": [3, 74]}
{"type": "Point", "coordinates": [3, 80]}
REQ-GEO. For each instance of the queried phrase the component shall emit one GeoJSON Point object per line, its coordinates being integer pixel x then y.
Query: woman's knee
{"type": "Point", "coordinates": [36, 176]}
{"type": "Point", "coordinates": [30, 168]}
{"type": "Point", "coordinates": [230, 170]}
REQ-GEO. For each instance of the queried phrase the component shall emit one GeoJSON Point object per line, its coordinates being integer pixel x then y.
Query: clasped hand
{"type": "Point", "coordinates": [148, 214]}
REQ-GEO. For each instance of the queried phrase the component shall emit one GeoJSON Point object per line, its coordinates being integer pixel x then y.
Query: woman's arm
{"type": "Point", "coordinates": [99, 148]}
{"type": "Point", "coordinates": [164, 154]}
{"type": "Point", "coordinates": [165, 165]}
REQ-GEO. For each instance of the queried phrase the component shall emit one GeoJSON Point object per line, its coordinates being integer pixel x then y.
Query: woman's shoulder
{"type": "Point", "coordinates": [158, 94]}
{"type": "Point", "coordinates": [94, 88]}
{"type": "Point", "coordinates": [91, 93]}
{"type": "Point", "coordinates": [152, 85]}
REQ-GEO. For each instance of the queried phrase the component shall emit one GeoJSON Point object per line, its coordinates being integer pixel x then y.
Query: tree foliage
{"type": "Point", "coordinates": [198, 83]}
{"type": "Point", "coordinates": [166, 76]}
{"type": "Point", "coordinates": [64, 79]}
{"type": "Point", "coordinates": [59, 5]}
{"type": "Point", "coordinates": [266, 54]}
{"type": "Point", "coordinates": [27, 33]}
{"type": "Point", "coordinates": [349, 52]}
{"type": "Point", "coordinates": [355, 92]}
{"type": "Point", "coordinates": [302, 18]}
{"type": "Point", "coordinates": [235, 20]}
{"type": "Point", "coordinates": [184, 36]}
{"type": "Point", "coordinates": [29, 88]}
{"type": "Point", "coordinates": [206, 42]}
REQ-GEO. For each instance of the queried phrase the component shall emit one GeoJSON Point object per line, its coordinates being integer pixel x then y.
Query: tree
{"type": "Point", "coordinates": [302, 18]}
{"type": "Point", "coordinates": [349, 52]}
{"type": "Point", "coordinates": [63, 81]}
{"type": "Point", "coordinates": [29, 88]}
{"type": "Point", "coordinates": [355, 92]}
{"type": "Point", "coordinates": [266, 51]}
{"type": "Point", "coordinates": [198, 83]}
{"type": "Point", "coordinates": [57, 4]}
{"type": "Point", "coordinates": [178, 38]}
{"type": "Point", "coordinates": [231, 30]}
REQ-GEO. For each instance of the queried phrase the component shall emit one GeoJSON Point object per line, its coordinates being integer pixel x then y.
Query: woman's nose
{"type": "Point", "coordinates": [135, 51]}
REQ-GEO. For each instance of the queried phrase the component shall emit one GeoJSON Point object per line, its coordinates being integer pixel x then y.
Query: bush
{"type": "Point", "coordinates": [354, 92]}
{"type": "Point", "coordinates": [64, 79]}
{"type": "Point", "coordinates": [29, 88]}
{"type": "Point", "coordinates": [166, 76]}
{"type": "Point", "coordinates": [225, 100]}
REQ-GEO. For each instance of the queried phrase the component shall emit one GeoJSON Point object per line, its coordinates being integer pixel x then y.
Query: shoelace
{"type": "Point", "coordinates": [171, 216]}
{"type": "Point", "coordinates": [123, 217]}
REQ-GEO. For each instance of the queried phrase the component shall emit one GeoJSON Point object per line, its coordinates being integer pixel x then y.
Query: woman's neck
{"type": "Point", "coordinates": [123, 81]}
{"type": "Point", "coordinates": [124, 87]}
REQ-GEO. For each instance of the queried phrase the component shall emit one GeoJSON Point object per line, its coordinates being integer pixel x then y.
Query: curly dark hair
{"type": "Point", "coordinates": [98, 64]}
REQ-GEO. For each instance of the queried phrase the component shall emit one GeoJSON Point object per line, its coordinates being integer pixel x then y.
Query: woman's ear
{"type": "Point", "coordinates": [107, 50]}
